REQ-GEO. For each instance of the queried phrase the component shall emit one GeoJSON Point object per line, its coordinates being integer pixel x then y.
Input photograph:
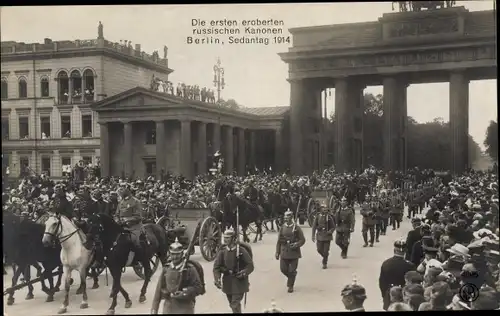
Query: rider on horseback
{"type": "Point", "coordinates": [129, 213]}
{"type": "Point", "coordinates": [251, 193]}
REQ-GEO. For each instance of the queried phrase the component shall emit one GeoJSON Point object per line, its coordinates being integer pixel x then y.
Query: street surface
{"type": "Point", "coordinates": [316, 290]}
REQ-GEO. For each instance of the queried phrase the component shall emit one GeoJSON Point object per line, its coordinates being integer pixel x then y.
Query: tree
{"type": "Point", "coordinates": [231, 104]}
{"type": "Point", "coordinates": [491, 141]}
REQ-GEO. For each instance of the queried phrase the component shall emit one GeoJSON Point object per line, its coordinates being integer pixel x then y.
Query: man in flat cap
{"type": "Point", "coordinates": [353, 297]}
{"type": "Point", "coordinates": [233, 264]}
{"type": "Point", "coordinates": [290, 239]}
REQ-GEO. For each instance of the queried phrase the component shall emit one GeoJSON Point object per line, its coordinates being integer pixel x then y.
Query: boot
{"type": "Point", "coordinates": [325, 262]}
{"type": "Point", "coordinates": [290, 283]}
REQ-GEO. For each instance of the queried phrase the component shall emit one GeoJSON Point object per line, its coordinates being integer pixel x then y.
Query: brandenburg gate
{"type": "Point", "coordinates": [442, 45]}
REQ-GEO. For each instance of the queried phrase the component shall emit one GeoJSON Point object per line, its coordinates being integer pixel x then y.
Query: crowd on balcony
{"type": "Point", "coordinates": [192, 92]}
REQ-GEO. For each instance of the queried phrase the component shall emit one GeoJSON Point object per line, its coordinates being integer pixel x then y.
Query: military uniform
{"type": "Point", "coordinates": [345, 220]}
{"type": "Point", "coordinates": [233, 264]}
{"type": "Point", "coordinates": [178, 285]}
{"type": "Point", "coordinates": [385, 210]}
{"type": "Point", "coordinates": [396, 212]}
{"type": "Point", "coordinates": [369, 221]}
{"type": "Point", "coordinates": [379, 222]}
{"type": "Point", "coordinates": [290, 239]}
{"type": "Point", "coordinates": [393, 270]}
{"type": "Point", "coordinates": [322, 231]}
{"type": "Point", "coordinates": [129, 211]}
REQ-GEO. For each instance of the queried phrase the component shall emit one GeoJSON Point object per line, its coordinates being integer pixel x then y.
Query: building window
{"type": "Point", "coordinates": [88, 78]}
{"type": "Point", "coordinates": [87, 160]}
{"type": "Point", "coordinates": [45, 126]}
{"type": "Point", "coordinates": [63, 87]}
{"type": "Point", "coordinates": [24, 166]}
{"type": "Point", "coordinates": [24, 128]}
{"type": "Point", "coordinates": [66, 166]}
{"type": "Point", "coordinates": [44, 87]}
{"type": "Point", "coordinates": [66, 126]}
{"type": "Point", "coordinates": [76, 94]}
{"type": "Point", "coordinates": [87, 125]}
{"type": "Point", "coordinates": [5, 128]}
{"type": "Point", "coordinates": [358, 125]}
{"type": "Point", "coordinates": [23, 88]}
{"type": "Point", "coordinates": [151, 135]}
{"type": "Point", "coordinates": [5, 88]}
{"type": "Point", "coordinates": [46, 165]}
{"type": "Point", "coordinates": [150, 167]}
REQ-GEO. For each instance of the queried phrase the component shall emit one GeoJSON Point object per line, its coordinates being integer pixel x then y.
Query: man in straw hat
{"type": "Point", "coordinates": [233, 264]}
{"type": "Point", "coordinates": [290, 239]}
{"type": "Point", "coordinates": [353, 297]}
{"type": "Point", "coordinates": [178, 285]}
{"type": "Point", "coordinates": [393, 271]}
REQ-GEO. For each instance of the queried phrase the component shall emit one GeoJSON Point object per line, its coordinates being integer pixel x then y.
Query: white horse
{"type": "Point", "coordinates": [74, 256]}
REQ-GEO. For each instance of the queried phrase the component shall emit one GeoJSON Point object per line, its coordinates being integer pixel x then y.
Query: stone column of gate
{"type": "Point", "coordinates": [344, 96]}
{"type": "Point", "coordinates": [459, 121]}
{"type": "Point", "coordinates": [393, 122]}
{"type": "Point", "coordinates": [127, 144]}
{"type": "Point", "coordinates": [228, 153]}
{"type": "Point", "coordinates": [186, 161]}
{"type": "Point", "coordinates": [104, 149]}
{"type": "Point", "coordinates": [297, 115]}
{"type": "Point", "coordinates": [216, 140]}
{"type": "Point", "coordinates": [241, 152]}
{"type": "Point", "coordinates": [160, 147]}
{"type": "Point", "coordinates": [278, 149]}
{"type": "Point", "coordinates": [404, 128]}
{"type": "Point", "coordinates": [252, 163]}
{"type": "Point", "coordinates": [202, 147]}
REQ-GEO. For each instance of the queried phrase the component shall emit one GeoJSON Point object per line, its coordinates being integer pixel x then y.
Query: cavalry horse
{"type": "Point", "coordinates": [74, 255]}
{"type": "Point", "coordinates": [23, 231]}
{"type": "Point", "coordinates": [118, 247]}
{"type": "Point", "coordinates": [237, 209]}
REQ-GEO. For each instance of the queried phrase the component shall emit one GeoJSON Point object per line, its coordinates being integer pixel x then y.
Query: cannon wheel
{"type": "Point", "coordinates": [139, 270]}
{"type": "Point", "coordinates": [311, 217]}
{"type": "Point", "coordinates": [209, 238]}
{"type": "Point", "coordinates": [310, 206]}
{"type": "Point", "coordinates": [164, 222]}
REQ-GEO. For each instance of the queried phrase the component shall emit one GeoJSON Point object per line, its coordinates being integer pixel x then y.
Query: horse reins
{"type": "Point", "coordinates": [56, 234]}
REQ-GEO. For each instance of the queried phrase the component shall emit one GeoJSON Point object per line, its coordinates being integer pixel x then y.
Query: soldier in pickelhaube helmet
{"type": "Point", "coordinates": [354, 296]}
{"type": "Point", "coordinates": [290, 239]}
{"type": "Point", "coordinates": [273, 309]}
{"type": "Point", "coordinates": [322, 233]}
{"type": "Point", "coordinates": [345, 221]}
{"type": "Point", "coordinates": [232, 266]}
{"type": "Point", "coordinates": [178, 285]}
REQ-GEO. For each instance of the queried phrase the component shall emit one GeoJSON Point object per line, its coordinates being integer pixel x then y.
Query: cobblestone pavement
{"type": "Point", "coordinates": [315, 290]}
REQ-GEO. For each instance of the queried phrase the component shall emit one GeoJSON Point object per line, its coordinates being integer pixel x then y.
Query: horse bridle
{"type": "Point", "coordinates": [57, 232]}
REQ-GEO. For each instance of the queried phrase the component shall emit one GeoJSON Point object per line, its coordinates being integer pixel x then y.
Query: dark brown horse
{"type": "Point", "coordinates": [239, 210]}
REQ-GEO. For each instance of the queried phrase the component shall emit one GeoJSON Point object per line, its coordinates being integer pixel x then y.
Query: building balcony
{"type": "Point", "coordinates": [80, 99]}
{"type": "Point", "coordinates": [51, 143]}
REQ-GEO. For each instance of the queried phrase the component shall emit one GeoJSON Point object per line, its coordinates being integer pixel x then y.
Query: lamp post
{"type": "Point", "coordinates": [218, 78]}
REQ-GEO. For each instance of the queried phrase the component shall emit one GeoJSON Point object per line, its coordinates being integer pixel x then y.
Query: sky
{"type": "Point", "coordinates": [255, 76]}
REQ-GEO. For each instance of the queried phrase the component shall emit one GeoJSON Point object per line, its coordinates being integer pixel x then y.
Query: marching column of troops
{"type": "Point", "coordinates": [459, 232]}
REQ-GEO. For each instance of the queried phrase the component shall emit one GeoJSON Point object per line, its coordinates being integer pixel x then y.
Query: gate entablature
{"type": "Point", "coordinates": [426, 41]}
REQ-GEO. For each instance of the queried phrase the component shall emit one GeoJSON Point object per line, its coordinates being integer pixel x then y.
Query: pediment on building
{"type": "Point", "coordinates": [134, 98]}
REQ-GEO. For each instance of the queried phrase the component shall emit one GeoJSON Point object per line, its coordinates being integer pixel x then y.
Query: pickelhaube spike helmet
{"type": "Point", "coordinates": [343, 199]}
{"type": "Point", "coordinates": [354, 289]}
{"type": "Point", "coordinates": [288, 213]}
{"type": "Point", "coordinates": [229, 233]}
{"type": "Point", "coordinates": [176, 247]}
